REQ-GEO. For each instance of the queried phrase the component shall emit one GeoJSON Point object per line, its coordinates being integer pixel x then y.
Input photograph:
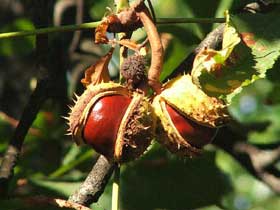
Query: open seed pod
{"type": "Point", "coordinates": [187, 116]}
{"type": "Point", "coordinates": [116, 122]}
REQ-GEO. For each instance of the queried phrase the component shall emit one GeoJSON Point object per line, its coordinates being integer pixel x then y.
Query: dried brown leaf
{"type": "Point", "coordinates": [130, 44]}
{"type": "Point", "coordinates": [100, 32]}
{"type": "Point", "coordinates": [98, 72]}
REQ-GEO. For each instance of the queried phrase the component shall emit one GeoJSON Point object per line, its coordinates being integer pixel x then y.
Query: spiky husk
{"type": "Point", "coordinates": [168, 135]}
{"type": "Point", "coordinates": [193, 103]}
{"type": "Point", "coordinates": [136, 129]}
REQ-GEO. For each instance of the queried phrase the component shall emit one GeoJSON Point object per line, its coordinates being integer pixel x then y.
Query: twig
{"type": "Point", "coordinates": [91, 25]}
{"type": "Point", "coordinates": [122, 4]}
{"type": "Point", "coordinates": [94, 185]}
{"type": "Point", "coordinates": [84, 26]}
{"type": "Point", "coordinates": [12, 153]}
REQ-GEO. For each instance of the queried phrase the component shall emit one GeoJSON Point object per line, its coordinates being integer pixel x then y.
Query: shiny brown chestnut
{"type": "Point", "coordinates": [116, 122]}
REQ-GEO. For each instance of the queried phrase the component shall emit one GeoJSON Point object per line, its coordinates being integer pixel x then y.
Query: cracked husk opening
{"type": "Point", "coordinates": [136, 130]}
{"type": "Point", "coordinates": [193, 103]}
{"type": "Point", "coordinates": [168, 135]}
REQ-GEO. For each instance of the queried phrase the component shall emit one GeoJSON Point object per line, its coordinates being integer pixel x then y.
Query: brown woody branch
{"type": "Point", "coordinates": [95, 183]}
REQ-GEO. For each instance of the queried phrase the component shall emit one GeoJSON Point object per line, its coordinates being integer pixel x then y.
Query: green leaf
{"type": "Point", "coordinates": [222, 73]}
{"type": "Point", "coordinates": [213, 70]}
{"type": "Point", "coordinates": [161, 181]}
{"type": "Point", "coordinates": [261, 33]}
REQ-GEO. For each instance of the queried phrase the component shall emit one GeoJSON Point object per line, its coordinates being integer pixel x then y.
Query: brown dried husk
{"type": "Point", "coordinates": [136, 129]}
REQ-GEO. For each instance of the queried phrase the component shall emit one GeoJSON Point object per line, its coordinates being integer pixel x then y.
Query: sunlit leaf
{"type": "Point", "coordinates": [237, 64]}
{"type": "Point", "coordinates": [220, 72]}
{"type": "Point", "coordinates": [261, 33]}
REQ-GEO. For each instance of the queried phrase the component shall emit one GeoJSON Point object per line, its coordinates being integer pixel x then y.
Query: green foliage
{"type": "Point", "coordinates": [247, 192]}
{"type": "Point", "coordinates": [253, 106]}
{"type": "Point", "coordinates": [264, 39]}
{"type": "Point", "coordinates": [222, 73]}
{"type": "Point", "coordinates": [174, 182]}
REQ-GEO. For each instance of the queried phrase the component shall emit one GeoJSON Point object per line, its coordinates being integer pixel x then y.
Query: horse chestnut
{"type": "Point", "coordinates": [197, 135]}
{"type": "Point", "coordinates": [117, 123]}
{"type": "Point", "coordinates": [187, 117]}
{"type": "Point", "coordinates": [101, 127]}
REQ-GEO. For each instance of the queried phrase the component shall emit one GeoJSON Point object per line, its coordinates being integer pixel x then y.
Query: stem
{"type": "Point", "coordinates": [88, 26]}
{"type": "Point", "coordinates": [156, 50]}
{"type": "Point", "coordinates": [84, 26]}
{"type": "Point", "coordinates": [95, 183]}
{"type": "Point", "coordinates": [189, 20]}
{"type": "Point", "coordinates": [115, 190]}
